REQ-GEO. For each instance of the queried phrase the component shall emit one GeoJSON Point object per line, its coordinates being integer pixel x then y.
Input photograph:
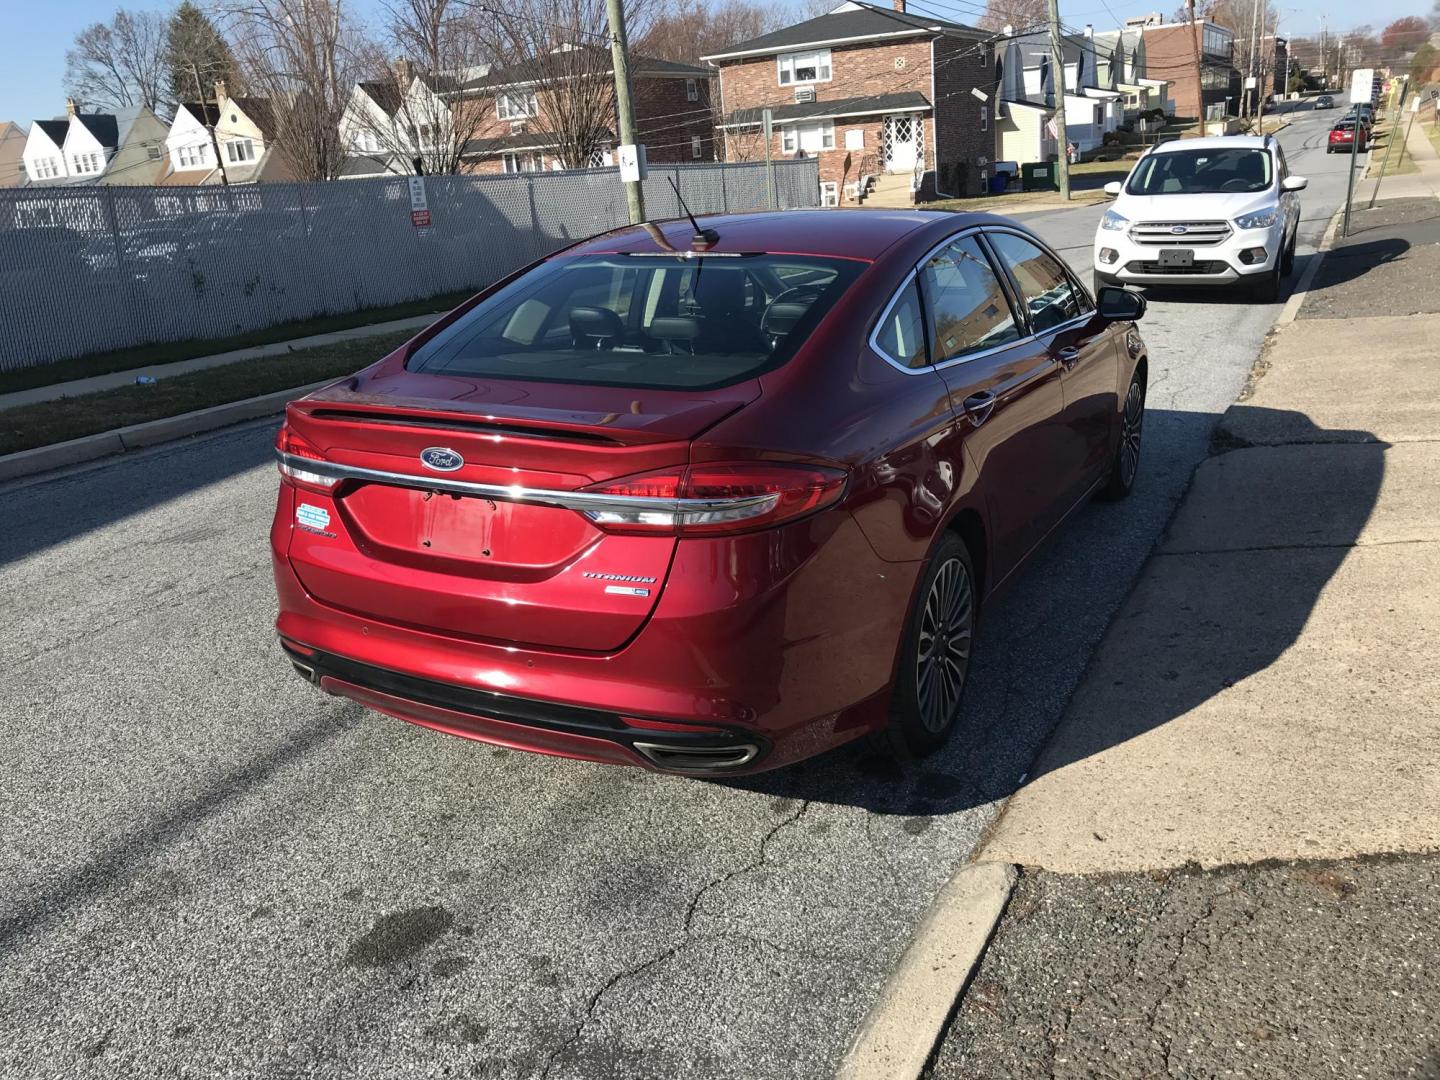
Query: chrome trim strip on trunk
{"type": "Point", "coordinates": [567, 500]}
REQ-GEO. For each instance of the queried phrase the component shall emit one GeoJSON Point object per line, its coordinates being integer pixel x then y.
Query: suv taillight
{"type": "Point", "coordinates": [716, 497]}
{"type": "Point", "coordinates": [293, 446]}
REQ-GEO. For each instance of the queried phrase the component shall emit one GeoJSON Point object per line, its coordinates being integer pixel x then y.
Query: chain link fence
{"type": "Point", "coordinates": [94, 269]}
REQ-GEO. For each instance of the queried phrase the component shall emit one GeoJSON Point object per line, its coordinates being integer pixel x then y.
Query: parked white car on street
{"type": "Point", "coordinates": [1216, 211]}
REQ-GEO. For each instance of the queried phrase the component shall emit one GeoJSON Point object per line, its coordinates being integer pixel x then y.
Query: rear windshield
{"type": "Point", "coordinates": [1202, 172]}
{"type": "Point", "coordinates": [646, 321]}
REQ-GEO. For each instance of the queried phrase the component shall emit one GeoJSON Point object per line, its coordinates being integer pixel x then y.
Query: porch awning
{"type": "Point", "coordinates": [909, 101]}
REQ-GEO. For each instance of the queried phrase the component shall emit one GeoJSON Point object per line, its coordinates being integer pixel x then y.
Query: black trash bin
{"type": "Point", "coordinates": [1038, 176]}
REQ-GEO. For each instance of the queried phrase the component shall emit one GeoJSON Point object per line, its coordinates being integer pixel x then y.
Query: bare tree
{"type": "Point", "coordinates": [689, 29]}
{"type": "Point", "coordinates": [421, 109]}
{"type": "Point", "coordinates": [119, 64]}
{"type": "Point", "coordinates": [304, 57]}
{"type": "Point", "coordinates": [1020, 14]}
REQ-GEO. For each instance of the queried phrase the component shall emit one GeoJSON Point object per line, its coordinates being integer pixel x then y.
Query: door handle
{"type": "Point", "coordinates": [1068, 357]}
{"type": "Point", "coordinates": [978, 407]}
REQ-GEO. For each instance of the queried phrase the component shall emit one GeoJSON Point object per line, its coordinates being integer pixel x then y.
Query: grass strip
{"type": "Point", "coordinates": [166, 352]}
{"type": "Point", "coordinates": [50, 422]}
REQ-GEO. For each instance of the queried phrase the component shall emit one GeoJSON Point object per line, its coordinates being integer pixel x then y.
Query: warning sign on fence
{"type": "Point", "coordinates": [419, 208]}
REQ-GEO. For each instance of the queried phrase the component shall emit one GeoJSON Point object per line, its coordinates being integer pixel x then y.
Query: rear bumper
{"type": "Point", "coordinates": [784, 640]}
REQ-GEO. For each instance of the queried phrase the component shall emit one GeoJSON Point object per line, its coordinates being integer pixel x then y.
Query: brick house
{"type": "Point", "coordinates": [1170, 55]}
{"type": "Point", "coordinates": [869, 91]}
{"type": "Point", "coordinates": [523, 104]}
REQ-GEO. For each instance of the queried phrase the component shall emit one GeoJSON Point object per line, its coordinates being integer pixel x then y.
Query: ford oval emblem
{"type": "Point", "coordinates": [1179, 230]}
{"type": "Point", "coordinates": [441, 459]}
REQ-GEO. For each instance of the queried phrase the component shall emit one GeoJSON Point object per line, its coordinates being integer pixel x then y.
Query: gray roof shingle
{"type": "Point", "coordinates": [859, 23]}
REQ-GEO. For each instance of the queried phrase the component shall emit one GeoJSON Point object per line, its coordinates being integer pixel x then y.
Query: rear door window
{"type": "Point", "coordinates": [968, 309]}
{"type": "Point", "coordinates": [1050, 294]}
{"type": "Point", "coordinates": [677, 322]}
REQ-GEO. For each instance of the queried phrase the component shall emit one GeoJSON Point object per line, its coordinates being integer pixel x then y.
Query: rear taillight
{"type": "Point", "coordinates": [713, 498]}
{"type": "Point", "coordinates": [292, 447]}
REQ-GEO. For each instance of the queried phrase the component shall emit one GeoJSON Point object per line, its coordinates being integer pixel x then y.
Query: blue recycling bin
{"type": "Point", "coordinates": [999, 182]}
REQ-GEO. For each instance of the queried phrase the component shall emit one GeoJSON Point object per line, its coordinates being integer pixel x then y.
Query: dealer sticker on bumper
{"type": "Point", "coordinates": [313, 518]}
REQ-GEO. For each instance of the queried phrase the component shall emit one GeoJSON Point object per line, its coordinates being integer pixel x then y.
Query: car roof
{"type": "Point", "coordinates": [1213, 142]}
{"type": "Point", "coordinates": [847, 234]}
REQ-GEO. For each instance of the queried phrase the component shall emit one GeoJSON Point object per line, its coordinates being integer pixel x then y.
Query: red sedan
{"type": "Point", "coordinates": [1342, 136]}
{"type": "Point", "coordinates": [705, 501]}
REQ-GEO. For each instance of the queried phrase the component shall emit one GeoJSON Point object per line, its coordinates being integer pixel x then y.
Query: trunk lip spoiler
{"type": "Point", "coordinates": [516, 493]}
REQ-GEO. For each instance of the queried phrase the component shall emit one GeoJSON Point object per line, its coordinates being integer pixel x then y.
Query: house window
{"type": "Point", "coordinates": [692, 90]}
{"type": "Point", "coordinates": [517, 163]}
{"type": "Point", "coordinates": [697, 147]}
{"type": "Point", "coordinates": [364, 141]}
{"type": "Point", "coordinates": [240, 150]}
{"type": "Point", "coordinates": [191, 157]}
{"type": "Point", "coordinates": [804, 67]}
{"type": "Point", "coordinates": [47, 168]}
{"type": "Point", "coordinates": [829, 193]}
{"type": "Point", "coordinates": [154, 153]}
{"type": "Point", "coordinates": [516, 105]}
{"type": "Point", "coordinates": [84, 164]}
{"type": "Point", "coordinates": [984, 117]}
{"type": "Point", "coordinates": [810, 137]}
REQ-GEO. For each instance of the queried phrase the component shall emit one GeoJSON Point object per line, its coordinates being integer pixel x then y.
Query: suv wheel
{"type": "Point", "coordinates": [1287, 265]}
{"type": "Point", "coordinates": [1266, 287]}
{"type": "Point", "coordinates": [935, 659]}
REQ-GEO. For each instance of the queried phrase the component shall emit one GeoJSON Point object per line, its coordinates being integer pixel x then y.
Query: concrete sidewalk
{"type": "Point", "coordinates": [115, 379]}
{"type": "Point", "coordinates": [1229, 845]}
{"type": "Point", "coordinates": [1420, 184]}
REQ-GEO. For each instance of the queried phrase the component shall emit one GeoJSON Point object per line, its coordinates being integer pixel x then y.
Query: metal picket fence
{"type": "Point", "coordinates": [94, 269]}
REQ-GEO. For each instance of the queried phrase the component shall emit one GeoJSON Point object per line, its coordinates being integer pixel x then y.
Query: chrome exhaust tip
{"type": "Point", "coordinates": [697, 759]}
{"type": "Point", "coordinates": [305, 671]}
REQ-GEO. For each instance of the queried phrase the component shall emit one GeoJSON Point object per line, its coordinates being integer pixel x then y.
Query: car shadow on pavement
{"type": "Point", "coordinates": [43, 513]}
{"type": "Point", "coordinates": [1209, 623]}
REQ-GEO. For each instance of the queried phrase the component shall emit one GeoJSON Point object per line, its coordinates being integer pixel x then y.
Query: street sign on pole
{"type": "Point", "coordinates": [1362, 86]}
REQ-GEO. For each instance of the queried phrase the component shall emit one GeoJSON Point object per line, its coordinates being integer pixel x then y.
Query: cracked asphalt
{"type": "Point", "coordinates": [209, 869]}
{"type": "Point", "coordinates": [1228, 972]}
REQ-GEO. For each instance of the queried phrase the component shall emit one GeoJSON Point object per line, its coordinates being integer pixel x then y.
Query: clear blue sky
{"type": "Point", "coordinates": [34, 35]}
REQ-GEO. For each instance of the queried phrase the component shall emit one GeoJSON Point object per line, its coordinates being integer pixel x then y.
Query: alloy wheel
{"type": "Point", "coordinates": [946, 626]}
{"type": "Point", "coordinates": [1131, 426]}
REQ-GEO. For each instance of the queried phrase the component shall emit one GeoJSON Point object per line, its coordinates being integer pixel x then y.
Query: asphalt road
{"type": "Point", "coordinates": [208, 868]}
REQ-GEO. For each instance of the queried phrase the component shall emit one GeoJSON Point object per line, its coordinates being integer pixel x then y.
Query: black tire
{"type": "Point", "coordinates": [927, 699]}
{"type": "Point", "coordinates": [1126, 463]}
{"type": "Point", "coordinates": [1287, 258]}
{"type": "Point", "coordinates": [1266, 288]}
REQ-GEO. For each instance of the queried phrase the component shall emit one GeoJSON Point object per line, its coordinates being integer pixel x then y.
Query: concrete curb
{"type": "Point", "coordinates": [900, 1033]}
{"type": "Point", "coordinates": [1291, 311]}
{"type": "Point", "coordinates": [91, 447]}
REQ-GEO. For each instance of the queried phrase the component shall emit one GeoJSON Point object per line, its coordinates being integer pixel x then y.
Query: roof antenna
{"type": "Point", "coordinates": [704, 239]}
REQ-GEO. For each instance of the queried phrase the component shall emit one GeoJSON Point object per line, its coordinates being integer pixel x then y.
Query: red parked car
{"type": "Point", "coordinates": [1342, 135]}
{"type": "Point", "coordinates": [705, 502]}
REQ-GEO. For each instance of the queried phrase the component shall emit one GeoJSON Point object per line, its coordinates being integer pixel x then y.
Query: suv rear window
{"type": "Point", "coordinates": [663, 322]}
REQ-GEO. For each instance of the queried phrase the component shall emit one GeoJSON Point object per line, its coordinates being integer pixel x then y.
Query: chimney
{"type": "Point", "coordinates": [404, 72]}
{"type": "Point", "coordinates": [220, 94]}
{"type": "Point", "coordinates": [898, 5]}
{"type": "Point", "coordinates": [1007, 30]}
{"type": "Point", "coordinates": [1089, 30]}
{"type": "Point", "coordinates": [70, 106]}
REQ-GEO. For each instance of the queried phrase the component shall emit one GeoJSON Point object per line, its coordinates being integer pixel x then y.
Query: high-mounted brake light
{"type": "Point", "coordinates": [287, 442]}
{"type": "Point", "coordinates": [718, 497]}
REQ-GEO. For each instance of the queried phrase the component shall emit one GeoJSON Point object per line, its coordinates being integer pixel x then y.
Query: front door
{"type": "Point", "coordinates": [902, 142]}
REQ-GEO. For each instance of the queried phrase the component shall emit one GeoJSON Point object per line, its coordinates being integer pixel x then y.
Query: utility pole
{"type": "Point", "coordinates": [1057, 69]}
{"type": "Point", "coordinates": [624, 107]}
{"type": "Point", "coordinates": [1199, 68]}
{"type": "Point", "coordinates": [1324, 57]}
{"type": "Point", "coordinates": [205, 116]}
{"type": "Point", "coordinates": [1252, 93]}
{"type": "Point", "coordinates": [767, 128]}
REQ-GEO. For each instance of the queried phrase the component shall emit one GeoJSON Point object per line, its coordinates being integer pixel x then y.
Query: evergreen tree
{"type": "Point", "coordinates": [193, 46]}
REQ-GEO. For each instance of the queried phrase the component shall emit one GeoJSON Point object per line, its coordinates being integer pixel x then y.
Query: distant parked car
{"type": "Point", "coordinates": [1342, 136]}
{"type": "Point", "coordinates": [1365, 111]}
{"type": "Point", "coordinates": [1324, 101]}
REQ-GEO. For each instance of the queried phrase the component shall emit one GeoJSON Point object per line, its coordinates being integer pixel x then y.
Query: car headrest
{"type": "Point", "coordinates": [675, 327]}
{"type": "Point", "coordinates": [781, 318]}
{"type": "Point", "coordinates": [596, 325]}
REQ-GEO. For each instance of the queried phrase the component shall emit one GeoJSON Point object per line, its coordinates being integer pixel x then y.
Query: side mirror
{"type": "Point", "coordinates": [1120, 305]}
{"type": "Point", "coordinates": [1113, 188]}
{"type": "Point", "coordinates": [1294, 183]}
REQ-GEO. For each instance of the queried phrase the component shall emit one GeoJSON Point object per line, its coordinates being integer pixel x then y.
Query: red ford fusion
{"type": "Point", "coordinates": [705, 500]}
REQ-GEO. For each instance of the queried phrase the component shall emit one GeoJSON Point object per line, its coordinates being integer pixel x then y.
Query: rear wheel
{"type": "Point", "coordinates": [935, 659]}
{"type": "Point", "coordinates": [1127, 453]}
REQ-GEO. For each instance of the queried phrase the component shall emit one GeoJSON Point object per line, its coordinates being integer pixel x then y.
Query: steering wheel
{"type": "Point", "coordinates": [800, 294]}
{"type": "Point", "coordinates": [1245, 185]}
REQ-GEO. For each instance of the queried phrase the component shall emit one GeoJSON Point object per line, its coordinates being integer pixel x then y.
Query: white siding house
{"type": "Point", "coordinates": [44, 154]}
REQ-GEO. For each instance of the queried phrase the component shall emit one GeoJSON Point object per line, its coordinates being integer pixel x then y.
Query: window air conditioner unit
{"type": "Point", "coordinates": [804, 94]}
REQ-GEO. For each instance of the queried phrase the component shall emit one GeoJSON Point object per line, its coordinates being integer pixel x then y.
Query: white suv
{"type": "Point", "coordinates": [1216, 211]}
